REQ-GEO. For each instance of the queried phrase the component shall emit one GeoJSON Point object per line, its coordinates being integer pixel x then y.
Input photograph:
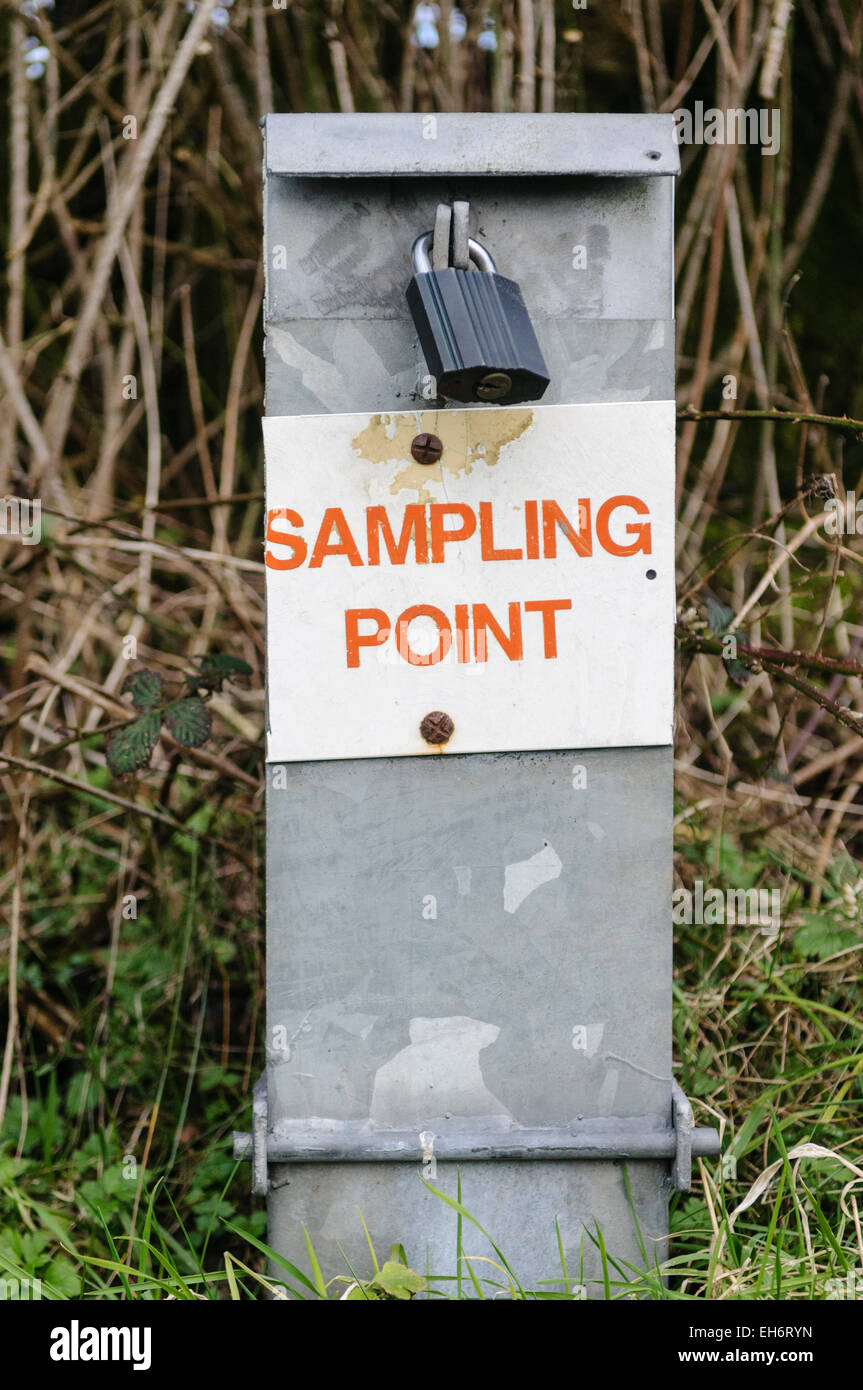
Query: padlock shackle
{"type": "Point", "coordinates": [421, 255]}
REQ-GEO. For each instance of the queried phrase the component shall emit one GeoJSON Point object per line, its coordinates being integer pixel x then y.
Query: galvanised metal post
{"type": "Point", "coordinates": [469, 953]}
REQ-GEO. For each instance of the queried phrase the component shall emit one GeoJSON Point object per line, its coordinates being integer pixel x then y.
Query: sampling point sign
{"type": "Point", "coordinates": [522, 584]}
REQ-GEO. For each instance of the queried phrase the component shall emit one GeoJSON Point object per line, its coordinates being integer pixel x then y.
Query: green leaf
{"type": "Point", "coordinates": [822, 936]}
{"type": "Point", "coordinates": [145, 687]}
{"type": "Point", "coordinates": [718, 617]}
{"type": "Point", "coordinates": [272, 1255]}
{"type": "Point", "coordinates": [736, 670]}
{"type": "Point", "coordinates": [214, 668]}
{"type": "Point", "coordinates": [397, 1281]}
{"type": "Point", "coordinates": [189, 721]}
{"type": "Point", "coordinates": [316, 1268]}
{"type": "Point", "coordinates": [132, 746]}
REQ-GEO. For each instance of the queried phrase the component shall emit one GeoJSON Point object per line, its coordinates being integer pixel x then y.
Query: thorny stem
{"type": "Point", "coordinates": [780, 417]}
{"type": "Point", "coordinates": [775, 660]}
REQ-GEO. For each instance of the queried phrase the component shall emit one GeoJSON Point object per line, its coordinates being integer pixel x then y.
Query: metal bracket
{"type": "Point", "coordinates": [683, 1121]}
{"type": "Point", "coordinates": [354, 1141]}
{"type": "Point", "coordinates": [254, 1146]}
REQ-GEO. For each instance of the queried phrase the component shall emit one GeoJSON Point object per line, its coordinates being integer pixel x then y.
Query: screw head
{"type": "Point", "coordinates": [426, 448]}
{"type": "Point", "coordinates": [494, 386]}
{"type": "Point", "coordinates": [437, 727]}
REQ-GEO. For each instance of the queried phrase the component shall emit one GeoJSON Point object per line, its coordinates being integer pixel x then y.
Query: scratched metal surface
{"type": "Point", "coordinates": [517, 1203]}
{"type": "Point", "coordinates": [419, 145]}
{"type": "Point", "coordinates": [339, 336]}
{"type": "Point", "coordinates": [491, 896]}
{"type": "Point", "coordinates": [363, 990]}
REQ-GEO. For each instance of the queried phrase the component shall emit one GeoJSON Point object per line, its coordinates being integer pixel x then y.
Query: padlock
{"type": "Point", "coordinates": [474, 330]}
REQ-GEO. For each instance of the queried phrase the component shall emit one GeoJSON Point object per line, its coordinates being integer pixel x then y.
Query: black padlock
{"type": "Point", "coordinates": [474, 330]}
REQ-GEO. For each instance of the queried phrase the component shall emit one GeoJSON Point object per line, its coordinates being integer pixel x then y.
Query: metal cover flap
{"type": "Point", "coordinates": [387, 144]}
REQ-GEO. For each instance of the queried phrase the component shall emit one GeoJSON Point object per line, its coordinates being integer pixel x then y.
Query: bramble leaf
{"type": "Point", "coordinates": [736, 670]}
{"type": "Point", "coordinates": [718, 617]}
{"type": "Point", "coordinates": [132, 746]}
{"type": "Point", "coordinates": [145, 687]}
{"type": "Point", "coordinates": [214, 668]}
{"type": "Point", "coordinates": [189, 721]}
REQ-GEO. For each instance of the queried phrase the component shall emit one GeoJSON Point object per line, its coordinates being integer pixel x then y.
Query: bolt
{"type": "Point", "coordinates": [494, 386]}
{"type": "Point", "coordinates": [437, 727]}
{"type": "Point", "coordinates": [426, 448]}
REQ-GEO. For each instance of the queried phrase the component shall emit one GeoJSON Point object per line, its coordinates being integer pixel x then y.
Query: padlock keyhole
{"type": "Point", "coordinates": [494, 386]}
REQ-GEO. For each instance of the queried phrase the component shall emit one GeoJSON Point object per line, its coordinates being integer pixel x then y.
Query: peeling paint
{"type": "Point", "coordinates": [589, 1038]}
{"type": "Point", "coordinates": [351, 357]}
{"type": "Point", "coordinates": [468, 437]}
{"type": "Point", "coordinates": [523, 877]}
{"type": "Point", "coordinates": [463, 874]}
{"type": "Point", "coordinates": [358, 1025]}
{"type": "Point", "coordinates": [355, 784]}
{"type": "Point", "coordinates": [608, 1092]}
{"type": "Point", "coordinates": [438, 1073]}
{"type": "Point", "coordinates": [318, 376]}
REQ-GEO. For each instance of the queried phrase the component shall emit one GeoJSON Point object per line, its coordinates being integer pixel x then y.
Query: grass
{"type": "Point", "coordinates": [116, 1178]}
{"type": "Point", "coordinates": [803, 1245]}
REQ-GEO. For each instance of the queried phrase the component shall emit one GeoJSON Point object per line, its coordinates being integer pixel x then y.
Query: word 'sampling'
{"type": "Point", "coordinates": [425, 532]}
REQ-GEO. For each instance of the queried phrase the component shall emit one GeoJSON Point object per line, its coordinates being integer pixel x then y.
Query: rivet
{"type": "Point", "coordinates": [437, 727]}
{"type": "Point", "coordinates": [426, 448]}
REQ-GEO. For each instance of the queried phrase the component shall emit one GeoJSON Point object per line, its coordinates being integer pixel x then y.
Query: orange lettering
{"type": "Point", "coordinates": [552, 516]}
{"type": "Point", "coordinates": [423, 610]}
{"type": "Point", "coordinates": [547, 607]}
{"type": "Point", "coordinates": [439, 535]}
{"type": "Point", "coordinates": [510, 642]}
{"type": "Point", "coordinates": [462, 633]}
{"type": "Point", "coordinates": [486, 531]}
{"type": "Point", "coordinates": [353, 640]}
{"type": "Point", "coordinates": [334, 518]}
{"type": "Point", "coordinates": [378, 524]}
{"type": "Point", "coordinates": [531, 530]}
{"type": "Point", "coordinates": [297, 544]}
{"type": "Point", "coordinates": [639, 529]}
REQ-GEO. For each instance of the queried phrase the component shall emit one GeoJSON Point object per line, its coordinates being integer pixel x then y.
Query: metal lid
{"type": "Point", "coordinates": [424, 146]}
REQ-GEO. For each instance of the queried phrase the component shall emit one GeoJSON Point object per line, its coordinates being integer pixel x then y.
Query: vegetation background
{"type": "Point", "coordinates": [131, 383]}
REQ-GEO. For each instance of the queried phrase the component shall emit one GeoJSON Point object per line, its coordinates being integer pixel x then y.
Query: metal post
{"type": "Point", "coordinates": [469, 955]}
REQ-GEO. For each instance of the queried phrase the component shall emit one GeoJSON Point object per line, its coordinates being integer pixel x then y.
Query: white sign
{"type": "Point", "coordinates": [523, 585]}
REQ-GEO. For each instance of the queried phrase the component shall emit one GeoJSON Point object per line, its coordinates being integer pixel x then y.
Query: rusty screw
{"type": "Point", "coordinates": [437, 727]}
{"type": "Point", "coordinates": [426, 448]}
